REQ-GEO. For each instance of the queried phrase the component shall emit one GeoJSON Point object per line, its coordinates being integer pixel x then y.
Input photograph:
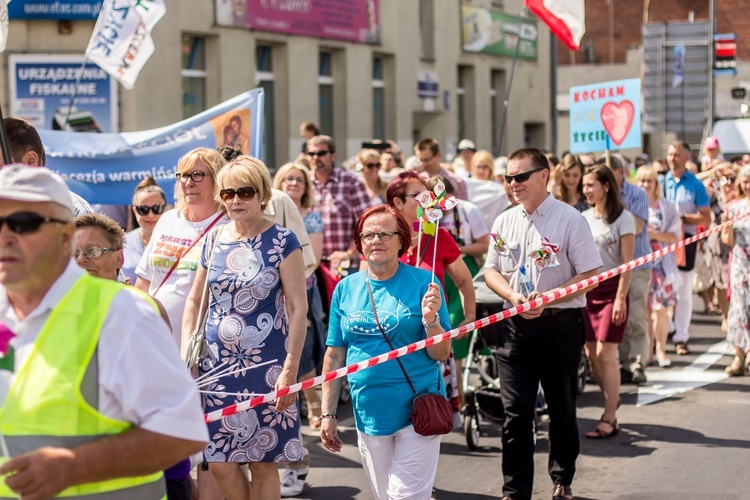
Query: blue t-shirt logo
{"type": "Point", "coordinates": [363, 322]}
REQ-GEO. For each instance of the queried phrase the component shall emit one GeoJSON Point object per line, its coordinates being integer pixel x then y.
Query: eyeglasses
{"type": "Point", "coordinates": [383, 235]}
{"type": "Point", "coordinates": [317, 153]}
{"type": "Point", "coordinates": [411, 195]}
{"type": "Point", "coordinates": [293, 180]}
{"type": "Point", "coordinates": [524, 176]}
{"type": "Point", "coordinates": [27, 222]}
{"type": "Point", "coordinates": [245, 193]}
{"type": "Point", "coordinates": [372, 165]}
{"type": "Point", "coordinates": [145, 209]}
{"type": "Point", "coordinates": [93, 252]}
{"type": "Point", "coordinates": [196, 176]}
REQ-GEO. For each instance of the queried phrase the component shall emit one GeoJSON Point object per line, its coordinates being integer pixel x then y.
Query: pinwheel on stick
{"type": "Point", "coordinates": [432, 204]}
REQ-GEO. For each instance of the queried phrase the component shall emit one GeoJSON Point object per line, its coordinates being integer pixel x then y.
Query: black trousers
{"type": "Point", "coordinates": [546, 350]}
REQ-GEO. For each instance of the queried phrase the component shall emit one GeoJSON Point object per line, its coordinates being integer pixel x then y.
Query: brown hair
{"type": "Point", "coordinates": [22, 138]}
{"type": "Point", "coordinates": [112, 231]}
{"type": "Point", "coordinates": [148, 185]}
{"type": "Point", "coordinates": [613, 206]}
{"type": "Point", "coordinates": [569, 162]}
{"type": "Point", "coordinates": [428, 144]}
{"type": "Point", "coordinates": [403, 227]}
{"type": "Point", "coordinates": [537, 157]}
{"type": "Point", "coordinates": [307, 199]}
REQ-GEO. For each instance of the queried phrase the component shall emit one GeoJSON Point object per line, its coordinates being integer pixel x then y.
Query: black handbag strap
{"type": "Point", "coordinates": [380, 327]}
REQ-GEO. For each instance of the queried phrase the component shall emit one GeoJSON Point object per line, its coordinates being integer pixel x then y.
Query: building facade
{"type": "Point", "coordinates": [411, 78]}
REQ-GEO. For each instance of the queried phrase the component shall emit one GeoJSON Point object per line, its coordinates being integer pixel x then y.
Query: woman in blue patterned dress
{"type": "Point", "coordinates": [257, 312]}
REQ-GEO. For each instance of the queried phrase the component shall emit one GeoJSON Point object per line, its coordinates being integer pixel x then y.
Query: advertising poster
{"type": "Point", "coordinates": [605, 115]}
{"type": "Point", "coordinates": [490, 31]}
{"type": "Point", "coordinates": [105, 168]}
{"type": "Point", "coordinates": [41, 86]}
{"type": "Point", "coordinates": [54, 9]}
{"type": "Point", "coordinates": [350, 20]}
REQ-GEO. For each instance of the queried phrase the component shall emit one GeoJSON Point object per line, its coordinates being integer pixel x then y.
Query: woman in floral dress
{"type": "Point", "coordinates": [257, 314]}
{"type": "Point", "coordinates": [737, 236]}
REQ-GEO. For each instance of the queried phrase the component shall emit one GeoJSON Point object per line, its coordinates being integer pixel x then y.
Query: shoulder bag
{"type": "Point", "coordinates": [431, 412]}
{"type": "Point", "coordinates": [195, 345]}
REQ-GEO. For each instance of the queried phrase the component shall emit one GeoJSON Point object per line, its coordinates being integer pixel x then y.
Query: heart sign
{"type": "Point", "coordinates": [617, 119]}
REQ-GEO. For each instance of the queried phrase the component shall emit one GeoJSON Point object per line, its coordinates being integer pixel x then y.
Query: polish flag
{"type": "Point", "coordinates": [565, 18]}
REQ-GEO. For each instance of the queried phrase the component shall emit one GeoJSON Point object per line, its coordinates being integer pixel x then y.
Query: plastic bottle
{"type": "Point", "coordinates": [526, 285]}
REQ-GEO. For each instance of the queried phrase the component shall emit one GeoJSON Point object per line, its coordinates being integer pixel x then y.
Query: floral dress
{"type": "Point", "coordinates": [247, 327]}
{"type": "Point", "coordinates": [738, 318]}
{"type": "Point", "coordinates": [663, 218]}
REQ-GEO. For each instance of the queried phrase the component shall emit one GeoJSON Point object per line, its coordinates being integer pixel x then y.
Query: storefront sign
{"type": "Point", "coordinates": [725, 54]}
{"type": "Point", "coordinates": [41, 86]}
{"type": "Point", "coordinates": [353, 20]}
{"type": "Point", "coordinates": [490, 31]}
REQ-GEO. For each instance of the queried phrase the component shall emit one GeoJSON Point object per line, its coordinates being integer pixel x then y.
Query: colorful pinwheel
{"type": "Point", "coordinates": [545, 256]}
{"type": "Point", "coordinates": [432, 204]}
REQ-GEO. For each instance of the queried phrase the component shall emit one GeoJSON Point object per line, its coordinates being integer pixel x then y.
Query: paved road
{"type": "Point", "coordinates": [691, 445]}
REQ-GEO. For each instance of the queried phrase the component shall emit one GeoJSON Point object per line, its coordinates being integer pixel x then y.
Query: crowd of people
{"type": "Point", "coordinates": [320, 266]}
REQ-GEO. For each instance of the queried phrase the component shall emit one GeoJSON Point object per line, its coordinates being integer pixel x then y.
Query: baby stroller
{"type": "Point", "coordinates": [483, 400]}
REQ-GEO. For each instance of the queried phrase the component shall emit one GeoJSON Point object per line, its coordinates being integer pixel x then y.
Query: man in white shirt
{"type": "Point", "coordinates": [130, 386]}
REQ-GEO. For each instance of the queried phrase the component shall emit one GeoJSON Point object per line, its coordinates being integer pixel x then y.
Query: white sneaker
{"type": "Point", "coordinates": [291, 484]}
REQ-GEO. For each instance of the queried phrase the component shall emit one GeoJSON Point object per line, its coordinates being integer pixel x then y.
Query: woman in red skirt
{"type": "Point", "coordinates": [606, 312]}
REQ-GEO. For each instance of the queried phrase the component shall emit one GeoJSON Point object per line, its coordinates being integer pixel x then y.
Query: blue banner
{"type": "Point", "coordinates": [42, 85]}
{"type": "Point", "coordinates": [105, 168]}
{"type": "Point", "coordinates": [54, 9]}
{"type": "Point", "coordinates": [605, 116]}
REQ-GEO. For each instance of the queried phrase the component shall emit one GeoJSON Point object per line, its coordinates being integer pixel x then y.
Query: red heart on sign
{"type": "Point", "coordinates": [617, 119]}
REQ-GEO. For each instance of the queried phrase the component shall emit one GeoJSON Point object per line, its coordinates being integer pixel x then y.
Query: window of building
{"type": "Point", "coordinates": [265, 79]}
{"type": "Point", "coordinates": [193, 75]}
{"type": "Point", "coordinates": [325, 92]}
{"type": "Point", "coordinates": [378, 99]}
{"type": "Point", "coordinates": [427, 29]}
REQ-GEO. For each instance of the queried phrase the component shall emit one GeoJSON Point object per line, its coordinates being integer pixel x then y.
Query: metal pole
{"type": "Point", "coordinates": [7, 158]}
{"type": "Point", "coordinates": [553, 93]}
{"type": "Point", "coordinates": [75, 92]}
{"type": "Point", "coordinates": [711, 82]}
{"type": "Point", "coordinates": [510, 84]}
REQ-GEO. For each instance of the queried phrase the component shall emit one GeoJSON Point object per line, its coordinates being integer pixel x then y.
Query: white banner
{"type": "Point", "coordinates": [3, 24]}
{"type": "Point", "coordinates": [121, 43]}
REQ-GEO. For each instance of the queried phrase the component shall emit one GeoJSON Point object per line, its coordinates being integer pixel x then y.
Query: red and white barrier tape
{"type": "Point", "coordinates": [494, 318]}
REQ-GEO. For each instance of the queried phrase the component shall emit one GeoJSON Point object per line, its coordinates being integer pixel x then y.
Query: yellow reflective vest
{"type": "Point", "coordinates": [54, 397]}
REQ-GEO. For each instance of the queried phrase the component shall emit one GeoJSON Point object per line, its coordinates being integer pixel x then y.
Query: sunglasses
{"type": "Point", "coordinates": [27, 222]}
{"type": "Point", "coordinates": [411, 195]}
{"type": "Point", "coordinates": [372, 165]}
{"type": "Point", "coordinates": [524, 176]}
{"type": "Point", "coordinates": [145, 209]}
{"type": "Point", "coordinates": [245, 194]}
{"type": "Point", "coordinates": [93, 252]}
{"type": "Point", "coordinates": [196, 176]}
{"type": "Point", "coordinates": [317, 153]}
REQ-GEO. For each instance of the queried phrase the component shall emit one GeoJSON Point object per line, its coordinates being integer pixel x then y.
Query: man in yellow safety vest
{"type": "Point", "coordinates": [97, 402]}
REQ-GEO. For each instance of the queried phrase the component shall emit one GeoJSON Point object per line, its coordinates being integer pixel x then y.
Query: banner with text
{"type": "Point", "coordinates": [605, 115]}
{"type": "Point", "coordinates": [54, 9]}
{"type": "Point", "coordinates": [41, 86]}
{"type": "Point", "coordinates": [353, 20]}
{"type": "Point", "coordinates": [490, 31]}
{"type": "Point", "coordinates": [105, 168]}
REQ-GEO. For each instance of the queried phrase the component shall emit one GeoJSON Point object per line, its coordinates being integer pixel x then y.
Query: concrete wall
{"type": "Point", "coordinates": [156, 99]}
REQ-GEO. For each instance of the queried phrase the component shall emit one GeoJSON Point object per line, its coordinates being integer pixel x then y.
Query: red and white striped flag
{"type": "Point", "coordinates": [566, 19]}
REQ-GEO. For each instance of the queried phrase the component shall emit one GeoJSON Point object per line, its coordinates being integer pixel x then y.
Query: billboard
{"type": "Point", "coordinates": [605, 115]}
{"type": "Point", "coordinates": [41, 86]}
{"type": "Point", "coordinates": [105, 168]}
{"type": "Point", "coordinates": [490, 31]}
{"type": "Point", "coordinates": [353, 20]}
{"type": "Point", "coordinates": [54, 9]}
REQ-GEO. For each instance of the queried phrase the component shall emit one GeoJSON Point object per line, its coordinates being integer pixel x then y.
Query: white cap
{"type": "Point", "coordinates": [33, 184]}
{"type": "Point", "coordinates": [466, 144]}
{"type": "Point", "coordinates": [501, 166]}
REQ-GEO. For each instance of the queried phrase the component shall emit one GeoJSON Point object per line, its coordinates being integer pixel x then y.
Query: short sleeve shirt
{"type": "Point", "coordinates": [561, 225]}
{"type": "Point", "coordinates": [635, 200]}
{"type": "Point", "coordinates": [343, 198]}
{"type": "Point", "coordinates": [608, 236]}
{"type": "Point", "coordinates": [688, 194]}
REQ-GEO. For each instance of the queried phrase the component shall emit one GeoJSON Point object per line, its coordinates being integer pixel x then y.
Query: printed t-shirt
{"type": "Point", "coordinates": [381, 397]}
{"type": "Point", "coordinates": [607, 236]}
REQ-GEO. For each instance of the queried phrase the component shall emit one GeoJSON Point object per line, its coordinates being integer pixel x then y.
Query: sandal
{"type": "Point", "coordinates": [598, 433]}
{"type": "Point", "coordinates": [314, 415]}
{"type": "Point", "coordinates": [681, 349]}
{"type": "Point", "coordinates": [737, 368]}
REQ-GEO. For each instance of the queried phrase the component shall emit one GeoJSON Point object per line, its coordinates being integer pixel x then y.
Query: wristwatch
{"type": "Point", "coordinates": [433, 324]}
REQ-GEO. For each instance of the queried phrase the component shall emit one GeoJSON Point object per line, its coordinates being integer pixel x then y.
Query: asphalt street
{"type": "Point", "coordinates": [694, 444]}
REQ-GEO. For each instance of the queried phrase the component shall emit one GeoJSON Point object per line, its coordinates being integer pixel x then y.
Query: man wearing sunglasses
{"type": "Point", "coordinates": [543, 344]}
{"type": "Point", "coordinates": [343, 198]}
{"type": "Point", "coordinates": [26, 148]}
{"type": "Point", "coordinates": [95, 379]}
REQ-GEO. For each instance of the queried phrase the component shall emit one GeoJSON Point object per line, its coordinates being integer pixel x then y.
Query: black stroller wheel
{"type": "Point", "coordinates": [471, 431]}
{"type": "Point", "coordinates": [583, 369]}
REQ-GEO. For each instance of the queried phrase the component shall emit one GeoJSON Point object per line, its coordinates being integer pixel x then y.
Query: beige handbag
{"type": "Point", "coordinates": [197, 340]}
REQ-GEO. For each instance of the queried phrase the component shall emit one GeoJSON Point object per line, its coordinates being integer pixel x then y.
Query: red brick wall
{"type": "Point", "coordinates": [732, 16]}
